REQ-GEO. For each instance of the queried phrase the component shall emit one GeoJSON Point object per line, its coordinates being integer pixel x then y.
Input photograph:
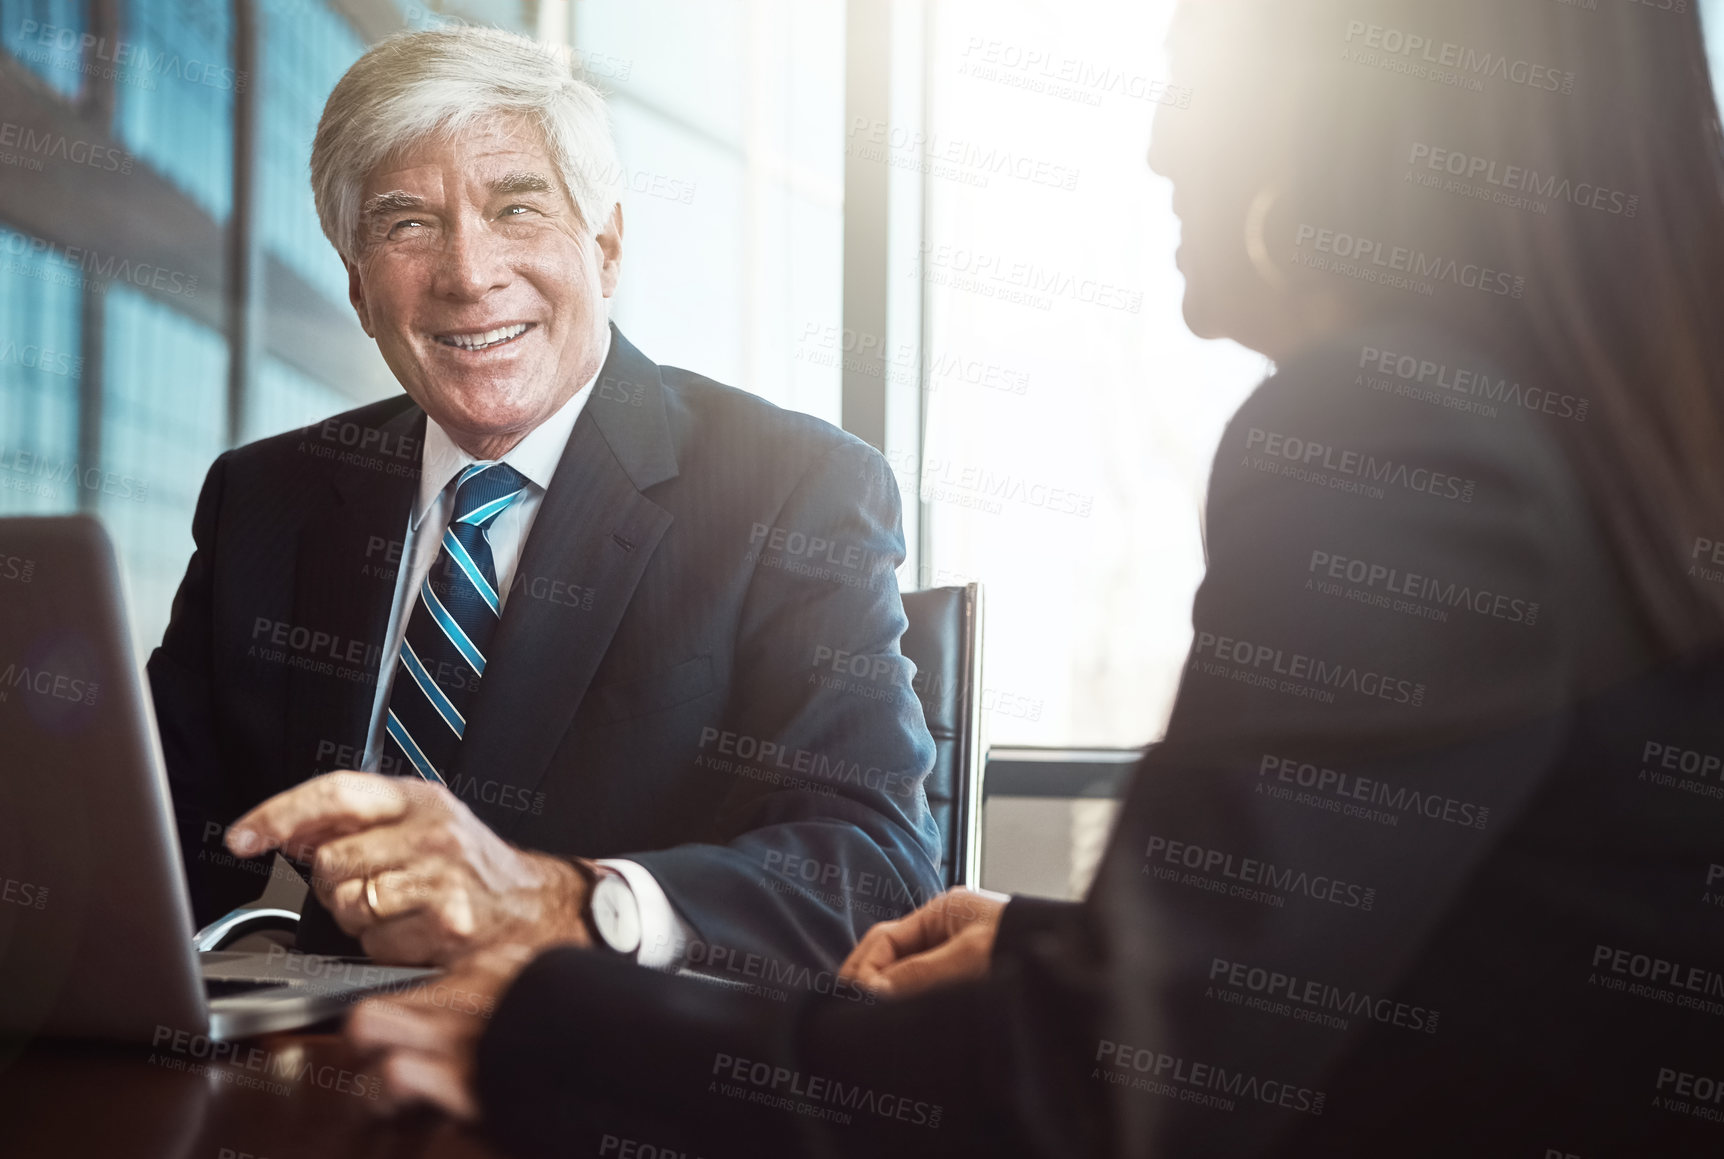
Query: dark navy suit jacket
{"type": "Point", "coordinates": [661, 685]}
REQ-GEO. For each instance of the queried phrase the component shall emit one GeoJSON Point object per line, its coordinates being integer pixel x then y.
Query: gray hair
{"type": "Point", "coordinates": [417, 85]}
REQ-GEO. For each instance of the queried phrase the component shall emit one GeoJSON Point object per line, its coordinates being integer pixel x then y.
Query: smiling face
{"type": "Point", "coordinates": [479, 281]}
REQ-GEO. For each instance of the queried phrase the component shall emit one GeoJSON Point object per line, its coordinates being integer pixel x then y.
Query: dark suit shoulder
{"type": "Point", "coordinates": [1404, 401]}
{"type": "Point", "coordinates": [1403, 375]}
{"type": "Point", "coordinates": [293, 472]}
{"type": "Point", "coordinates": [354, 429]}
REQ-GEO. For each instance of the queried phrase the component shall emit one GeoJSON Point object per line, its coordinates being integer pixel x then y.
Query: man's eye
{"type": "Point", "coordinates": [515, 210]}
{"type": "Point", "coordinates": [403, 224]}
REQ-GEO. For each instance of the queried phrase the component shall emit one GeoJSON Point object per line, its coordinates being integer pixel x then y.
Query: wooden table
{"type": "Point", "coordinates": [290, 1096]}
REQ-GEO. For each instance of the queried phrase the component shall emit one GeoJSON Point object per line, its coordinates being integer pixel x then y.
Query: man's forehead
{"type": "Point", "coordinates": [504, 155]}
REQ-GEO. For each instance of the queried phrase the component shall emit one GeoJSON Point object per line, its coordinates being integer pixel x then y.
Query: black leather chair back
{"type": "Point", "coordinates": [944, 641]}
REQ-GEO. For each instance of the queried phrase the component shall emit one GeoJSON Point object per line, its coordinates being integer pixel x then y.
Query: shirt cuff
{"type": "Point", "coordinates": [664, 935]}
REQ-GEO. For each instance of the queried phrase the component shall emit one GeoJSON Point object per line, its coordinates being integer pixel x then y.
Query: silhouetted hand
{"type": "Point", "coordinates": [948, 940]}
{"type": "Point", "coordinates": [426, 1041]}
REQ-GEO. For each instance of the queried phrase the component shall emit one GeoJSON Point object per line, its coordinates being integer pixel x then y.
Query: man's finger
{"type": "Point", "coordinates": [360, 903]}
{"type": "Point", "coordinates": [321, 808]}
{"type": "Point", "coordinates": [369, 853]}
{"type": "Point", "coordinates": [345, 902]}
{"type": "Point", "coordinates": [416, 938]}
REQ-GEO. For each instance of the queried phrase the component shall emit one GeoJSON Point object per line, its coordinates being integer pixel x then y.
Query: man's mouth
{"type": "Point", "coordinates": [484, 339]}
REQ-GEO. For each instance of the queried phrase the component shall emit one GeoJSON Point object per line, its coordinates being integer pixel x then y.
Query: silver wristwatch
{"type": "Point", "coordinates": [614, 913]}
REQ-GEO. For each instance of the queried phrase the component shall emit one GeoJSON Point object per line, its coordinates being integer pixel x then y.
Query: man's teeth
{"type": "Point", "coordinates": [480, 341]}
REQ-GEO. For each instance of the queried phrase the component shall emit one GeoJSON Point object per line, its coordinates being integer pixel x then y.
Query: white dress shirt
{"type": "Point", "coordinates": [663, 932]}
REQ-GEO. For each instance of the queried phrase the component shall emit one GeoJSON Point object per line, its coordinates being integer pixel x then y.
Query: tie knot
{"type": "Point", "coordinates": [485, 491]}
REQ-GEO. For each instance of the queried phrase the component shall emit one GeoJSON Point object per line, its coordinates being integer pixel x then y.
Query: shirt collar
{"type": "Point", "coordinates": [535, 456]}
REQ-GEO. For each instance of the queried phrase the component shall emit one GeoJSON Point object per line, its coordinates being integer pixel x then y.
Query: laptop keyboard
{"type": "Point", "coordinates": [230, 987]}
{"type": "Point", "coordinates": [229, 974]}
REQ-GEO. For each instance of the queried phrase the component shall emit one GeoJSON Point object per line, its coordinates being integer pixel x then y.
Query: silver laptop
{"type": "Point", "coordinates": [96, 937]}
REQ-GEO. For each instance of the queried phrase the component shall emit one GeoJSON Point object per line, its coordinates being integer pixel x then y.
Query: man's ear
{"type": "Point", "coordinates": [610, 241]}
{"type": "Point", "coordinates": [356, 295]}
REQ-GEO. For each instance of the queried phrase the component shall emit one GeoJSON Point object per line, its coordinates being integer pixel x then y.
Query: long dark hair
{"type": "Point", "coordinates": [1578, 154]}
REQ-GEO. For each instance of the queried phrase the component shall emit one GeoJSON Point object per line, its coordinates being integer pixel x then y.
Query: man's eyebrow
{"type": "Point", "coordinates": [390, 202]}
{"type": "Point", "coordinates": [521, 182]}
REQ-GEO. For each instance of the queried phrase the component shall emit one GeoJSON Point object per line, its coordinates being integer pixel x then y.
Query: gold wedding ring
{"type": "Point", "coordinates": [371, 896]}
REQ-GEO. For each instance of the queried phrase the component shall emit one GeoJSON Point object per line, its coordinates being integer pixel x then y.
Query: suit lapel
{"type": "Point", "coordinates": [594, 534]}
{"type": "Point", "coordinates": [344, 588]}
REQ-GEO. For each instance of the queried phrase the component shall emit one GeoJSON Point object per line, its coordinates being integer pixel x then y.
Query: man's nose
{"type": "Point", "coordinates": [473, 262]}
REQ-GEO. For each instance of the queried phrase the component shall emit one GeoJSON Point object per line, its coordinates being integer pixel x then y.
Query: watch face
{"type": "Point", "coordinates": [616, 914]}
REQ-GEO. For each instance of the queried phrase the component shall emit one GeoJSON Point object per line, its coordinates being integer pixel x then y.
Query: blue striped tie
{"type": "Point", "coordinates": [454, 618]}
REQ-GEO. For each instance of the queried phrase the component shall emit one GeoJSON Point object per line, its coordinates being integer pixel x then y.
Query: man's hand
{"type": "Point", "coordinates": [948, 940]}
{"type": "Point", "coordinates": [407, 868]}
{"type": "Point", "coordinates": [426, 1040]}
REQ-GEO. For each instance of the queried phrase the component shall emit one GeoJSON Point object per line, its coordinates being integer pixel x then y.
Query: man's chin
{"type": "Point", "coordinates": [471, 427]}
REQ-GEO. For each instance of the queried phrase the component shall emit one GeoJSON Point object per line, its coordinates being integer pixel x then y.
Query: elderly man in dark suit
{"type": "Point", "coordinates": [548, 624]}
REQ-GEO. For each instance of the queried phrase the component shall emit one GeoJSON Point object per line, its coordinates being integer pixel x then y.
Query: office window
{"type": "Point", "coordinates": [1071, 416]}
{"type": "Point", "coordinates": [174, 95]}
{"type": "Point", "coordinates": [40, 368]}
{"type": "Point", "coordinates": [305, 49]}
{"type": "Point", "coordinates": [44, 36]}
{"type": "Point", "coordinates": [729, 118]}
{"type": "Point", "coordinates": [164, 421]}
{"type": "Point", "coordinates": [284, 399]}
{"type": "Point", "coordinates": [1711, 15]}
